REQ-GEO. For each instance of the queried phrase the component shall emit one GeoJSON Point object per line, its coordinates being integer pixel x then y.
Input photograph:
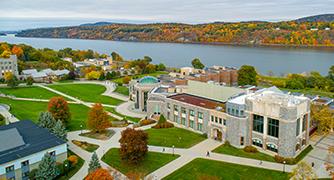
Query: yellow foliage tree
{"type": "Point", "coordinates": [5, 54]}
{"type": "Point", "coordinates": [93, 75]}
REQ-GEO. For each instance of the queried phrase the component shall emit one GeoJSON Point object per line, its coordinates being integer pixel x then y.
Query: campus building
{"type": "Point", "coordinates": [269, 119]}
{"type": "Point", "coordinates": [23, 145]}
{"type": "Point", "coordinates": [9, 65]}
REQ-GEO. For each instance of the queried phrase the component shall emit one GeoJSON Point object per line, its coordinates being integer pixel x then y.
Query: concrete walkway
{"type": "Point", "coordinates": [4, 111]}
{"type": "Point", "coordinates": [125, 108]}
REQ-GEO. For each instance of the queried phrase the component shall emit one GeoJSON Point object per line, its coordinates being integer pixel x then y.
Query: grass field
{"type": "Point", "coordinates": [230, 150]}
{"type": "Point", "coordinates": [178, 137]}
{"type": "Point", "coordinates": [29, 92]}
{"type": "Point", "coordinates": [210, 169]}
{"type": "Point", "coordinates": [122, 90]}
{"type": "Point", "coordinates": [152, 162]}
{"type": "Point", "coordinates": [30, 110]}
{"type": "Point", "coordinates": [112, 110]}
{"type": "Point", "coordinates": [86, 92]}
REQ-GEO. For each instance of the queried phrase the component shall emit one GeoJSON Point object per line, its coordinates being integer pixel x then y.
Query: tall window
{"type": "Point", "coordinates": [192, 113]}
{"type": "Point", "coordinates": [176, 108]}
{"type": "Point", "coordinates": [304, 122]}
{"type": "Point", "coordinates": [191, 124]}
{"type": "Point", "coordinates": [168, 106]}
{"type": "Point", "coordinates": [273, 127]}
{"type": "Point", "coordinates": [199, 126]}
{"type": "Point", "coordinates": [220, 120]}
{"type": "Point", "coordinates": [183, 121]}
{"type": "Point", "coordinates": [183, 110]}
{"type": "Point", "coordinates": [258, 123]}
{"type": "Point", "coordinates": [212, 118]}
{"type": "Point", "coordinates": [216, 119]}
{"type": "Point", "coordinates": [200, 115]}
{"type": "Point", "coordinates": [297, 126]}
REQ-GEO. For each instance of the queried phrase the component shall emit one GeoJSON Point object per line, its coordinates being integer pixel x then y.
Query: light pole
{"type": "Point", "coordinates": [66, 168]}
{"type": "Point", "coordinates": [81, 128]}
{"type": "Point", "coordinates": [284, 166]}
{"type": "Point", "coordinates": [173, 149]}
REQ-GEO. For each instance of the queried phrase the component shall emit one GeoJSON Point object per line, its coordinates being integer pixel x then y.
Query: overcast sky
{"type": "Point", "coordinates": [35, 13]}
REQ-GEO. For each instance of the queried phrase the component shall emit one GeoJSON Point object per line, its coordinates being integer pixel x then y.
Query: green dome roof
{"type": "Point", "coordinates": [148, 80]}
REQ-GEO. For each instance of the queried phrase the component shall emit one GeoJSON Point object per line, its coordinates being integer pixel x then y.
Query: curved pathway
{"type": "Point", "coordinates": [125, 108]}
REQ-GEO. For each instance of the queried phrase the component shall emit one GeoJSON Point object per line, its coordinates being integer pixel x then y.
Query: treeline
{"type": "Point", "coordinates": [288, 33]}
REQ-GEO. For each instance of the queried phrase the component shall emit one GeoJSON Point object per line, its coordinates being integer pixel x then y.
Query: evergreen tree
{"type": "Point", "coordinates": [46, 120]}
{"type": "Point", "coordinates": [102, 76]}
{"type": "Point", "coordinates": [59, 130]}
{"type": "Point", "coordinates": [47, 168]}
{"type": "Point", "coordinates": [94, 163]}
{"type": "Point", "coordinates": [109, 76]}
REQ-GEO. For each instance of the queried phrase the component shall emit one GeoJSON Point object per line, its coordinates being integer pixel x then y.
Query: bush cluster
{"type": "Point", "coordinates": [250, 149]}
{"type": "Point", "coordinates": [281, 159]}
{"type": "Point", "coordinates": [163, 123]}
{"type": "Point", "coordinates": [145, 122]}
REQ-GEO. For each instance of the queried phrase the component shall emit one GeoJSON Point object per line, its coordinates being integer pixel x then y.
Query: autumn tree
{"type": "Point", "coordinates": [17, 50]}
{"type": "Point", "coordinates": [59, 109]}
{"type": "Point", "coordinates": [10, 79]}
{"type": "Point", "coordinates": [126, 79]}
{"type": "Point", "coordinates": [133, 145]}
{"type": "Point", "coordinates": [98, 119]}
{"type": "Point", "coordinates": [303, 171]}
{"type": "Point", "coordinates": [247, 75]}
{"type": "Point", "coordinates": [99, 174]}
{"type": "Point", "coordinates": [30, 81]}
{"type": "Point", "coordinates": [196, 63]}
{"type": "Point", "coordinates": [324, 117]}
{"type": "Point", "coordinates": [116, 57]}
{"type": "Point", "coordinates": [94, 163]}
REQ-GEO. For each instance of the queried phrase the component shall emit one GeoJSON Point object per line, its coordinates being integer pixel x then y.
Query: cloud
{"type": "Point", "coordinates": [187, 11]}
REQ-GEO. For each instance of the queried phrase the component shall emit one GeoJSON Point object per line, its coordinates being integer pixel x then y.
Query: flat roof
{"type": "Point", "coordinates": [197, 101]}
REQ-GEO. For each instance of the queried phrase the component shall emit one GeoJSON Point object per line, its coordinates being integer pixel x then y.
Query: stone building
{"type": "Point", "coordinates": [273, 121]}
{"type": "Point", "coordinates": [9, 65]}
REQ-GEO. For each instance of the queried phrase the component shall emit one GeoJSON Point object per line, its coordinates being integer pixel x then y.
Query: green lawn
{"type": "Point", "coordinates": [86, 92]}
{"type": "Point", "coordinates": [112, 110]}
{"type": "Point", "coordinates": [30, 110]}
{"type": "Point", "coordinates": [152, 162]}
{"type": "Point", "coordinates": [230, 150]}
{"type": "Point", "coordinates": [122, 90]}
{"type": "Point", "coordinates": [210, 169]}
{"type": "Point", "coordinates": [178, 137]}
{"type": "Point", "coordinates": [29, 92]}
{"type": "Point", "coordinates": [75, 169]}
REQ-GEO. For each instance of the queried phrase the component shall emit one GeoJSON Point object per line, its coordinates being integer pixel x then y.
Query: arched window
{"type": "Point", "coordinates": [272, 147]}
{"type": "Point", "coordinates": [257, 142]}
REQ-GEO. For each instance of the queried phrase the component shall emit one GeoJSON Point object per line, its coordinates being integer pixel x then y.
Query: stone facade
{"type": "Point", "coordinates": [9, 65]}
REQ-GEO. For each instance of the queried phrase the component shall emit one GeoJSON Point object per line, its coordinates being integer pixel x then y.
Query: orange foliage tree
{"type": "Point", "coordinates": [17, 51]}
{"type": "Point", "coordinates": [133, 145]}
{"type": "Point", "coordinates": [59, 109]}
{"type": "Point", "coordinates": [98, 119]}
{"type": "Point", "coordinates": [99, 174]}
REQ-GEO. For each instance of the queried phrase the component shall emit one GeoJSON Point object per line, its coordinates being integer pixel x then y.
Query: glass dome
{"type": "Point", "coordinates": [148, 80]}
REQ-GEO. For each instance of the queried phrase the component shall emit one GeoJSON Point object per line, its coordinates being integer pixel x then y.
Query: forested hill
{"type": "Point", "coordinates": [290, 33]}
{"type": "Point", "coordinates": [317, 18]}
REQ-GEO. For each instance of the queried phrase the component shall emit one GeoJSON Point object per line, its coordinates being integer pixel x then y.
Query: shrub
{"type": "Point", "coordinates": [281, 159]}
{"type": "Point", "coordinates": [227, 143]}
{"type": "Point", "coordinates": [32, 174]}
{"type": "Point", "coordinates": [250, 149]}
{"type": "Point", "coordinates": [2, 120]}
{"type": "Point", "coordinates": [73, 160]}
{"type": "Point", "coordinates": [163, 123]}
{"type": "Point", "coordinates": [60, 169]}
{"type": "Point", "coordinates": [145, 122]}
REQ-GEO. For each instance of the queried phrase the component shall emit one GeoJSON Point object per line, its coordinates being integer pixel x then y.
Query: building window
{"type": "Point", "coordinates": [237, 112]}
{"type": "Point", "coordinates": [228, 110]}
{"type": "Point", "coordinates": [192, 113]}
{"type": "Point", "coordinates": [183, 110]}
{"type": "Point", "coordinates": [199, 126]}
{"type": "Point", "coordinates": [241, 141]}
{"type": "Point", "coordinates": [191, 124]}
{"type": "Point", "coordinates": [212, 118]}
{"type": "Point", "coordinates": [176, 118]}
{"type": "Point", "coordinates": [232, 111]}
{"type": "Point", "coordinates": [241, 112]}
{"type": "Point", "coordinates": [273, 127]}
{"type": "Point", "coordinates": [53, 154]}
{"type": "Point", "coordinates": [297, 126]}
{"type": "Point", "coordinates": [220, 120]}
{"type": "Point", "coordinates": [216, 120]}
{"type": "Point", "coordinates": [272, 147]}
{"type": "Point", "coordinates": [224, 122]}
{"type": "Point", "coordinates": [25, 174]}
{"type": "Point", "coordinates": [9, 168]}
{"type": "Point", "coordinates": [200, 115]}
{"type": "Point", "coordinates": [168, 115]}
{"type": "Point", "coordinates": [258, 123]}
{"type": "Point", "coordinates": [168, 106]}
{"type": "Point", "coordinates": [25, 163]}
{"type": "Point", "coordinates": [176, 108]}
{"type": "Point", "coordinates": [304, 122]}
{"type": "Point", "coordinates": [183, 121]}
{"type": "Point", "coordinates": [257, 142]}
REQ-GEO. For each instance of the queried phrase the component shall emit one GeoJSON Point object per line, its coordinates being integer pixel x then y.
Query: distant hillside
{"type": "Point", "coordinates": [287, 33]}
{"type": "Point", "coordinates": [317, 18]}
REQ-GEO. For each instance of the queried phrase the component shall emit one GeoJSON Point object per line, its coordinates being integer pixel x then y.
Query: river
{"type": "Point", "coordinates": [277, 60]}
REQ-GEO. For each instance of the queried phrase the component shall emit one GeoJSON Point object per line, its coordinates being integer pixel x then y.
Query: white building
{"type": "Point", "coordinates": [9, 65]}
{"type": "Point", "coordinates": [23, 145]}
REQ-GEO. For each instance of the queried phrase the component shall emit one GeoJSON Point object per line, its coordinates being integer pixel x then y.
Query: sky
{"type": "Point", "coordinates": [23, 14]}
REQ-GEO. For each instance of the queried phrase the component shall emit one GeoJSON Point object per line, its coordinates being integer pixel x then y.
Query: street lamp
{"type": "Point", "coordinates": [66, 168]}
{"type": "Point", "coordinates": [173, 149]}
{"type": "Point", "coordinates": [81, 128]}
{"type": "Point", "coordinates": [284, 166]}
